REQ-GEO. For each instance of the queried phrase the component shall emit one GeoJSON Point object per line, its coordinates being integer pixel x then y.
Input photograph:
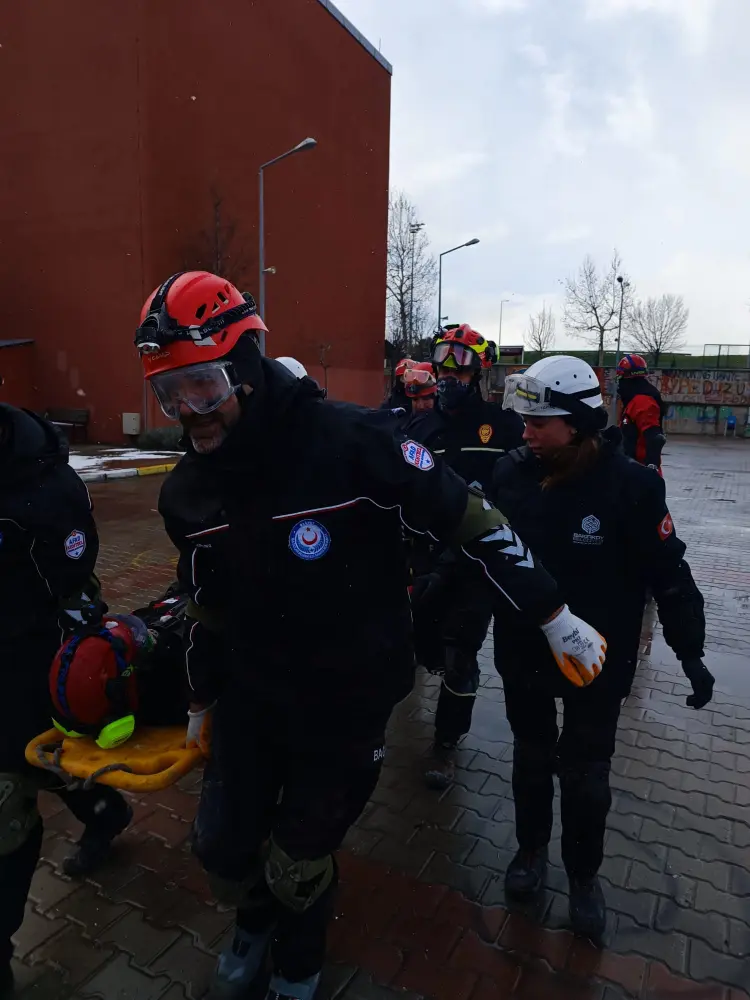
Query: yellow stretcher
{"type": "Point", "coordinates": [153, 758]}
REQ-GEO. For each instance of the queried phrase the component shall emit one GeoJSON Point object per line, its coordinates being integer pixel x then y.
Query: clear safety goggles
{"type": "Point", "coordinates": [203, 388]}
{"type": "Point", "coordinates": [525, 395]}
{"type": "Point", "coordinates": [418, 376]}
{"type": "Point", "coordinates": [463, 357]}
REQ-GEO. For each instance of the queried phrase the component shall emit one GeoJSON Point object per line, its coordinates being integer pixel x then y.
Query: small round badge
{"type": "Point", "coordinates": [309, 540]}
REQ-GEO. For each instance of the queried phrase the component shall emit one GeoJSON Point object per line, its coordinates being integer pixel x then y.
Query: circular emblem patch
{"type": "Point", "coordinates": [309, 540]}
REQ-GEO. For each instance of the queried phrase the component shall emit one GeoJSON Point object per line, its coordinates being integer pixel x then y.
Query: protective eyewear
{"type": "Point", "coordinates": [420, 376]}
{"type": "Point", "coordinates": [417, 389]}
{"type": "Point", "coordinates": [203, 388]}
{"type": "Point", "coordinates": [525, 394]}
{"type": "Point", "coordinates": [110, 736]}
{"type": "Point", "coordinates": [464, 357]}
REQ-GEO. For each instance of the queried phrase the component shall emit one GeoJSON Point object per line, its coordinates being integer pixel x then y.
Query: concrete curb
{"type": "Point", "coordinates": [142, 470]}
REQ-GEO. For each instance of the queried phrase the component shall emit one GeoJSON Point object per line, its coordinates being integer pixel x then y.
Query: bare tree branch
{"type": "Point", "coordinates": [657, 326]}
{"type": "Point", "coordinates": [592, 303]}
{"type": "Point", "coordinates": [540, 335]}
{"type": "Point", "coordinates": [411, 275]}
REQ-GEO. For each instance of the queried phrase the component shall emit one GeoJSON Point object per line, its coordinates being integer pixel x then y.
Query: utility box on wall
{"type": "Point", "coordinates": [131, 424]}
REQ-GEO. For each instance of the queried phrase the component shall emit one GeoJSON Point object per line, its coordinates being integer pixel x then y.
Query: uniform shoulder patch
{"type": "Point", "coordinates": [417, 455]}
{"type": "Point", "coordinates": [666, 527]}
{"type": "Point", "coordinates": [75, 544]}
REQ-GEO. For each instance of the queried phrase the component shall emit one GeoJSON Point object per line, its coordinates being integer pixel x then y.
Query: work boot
{"type": "Point", "coordinates": [524, 876]}
{"type": "Point", "coordinates": [239, 965]}
{"type": "Point", "coordinates": [282, 989]}
{"type": "Point", "coordinates": [6, 981]}
{"type": "Point", "coordinates": [92, 850]}
{"type": "Point", "coordinates": [587, 908]}
{"type": "Point", "coordinates": [441, 766]}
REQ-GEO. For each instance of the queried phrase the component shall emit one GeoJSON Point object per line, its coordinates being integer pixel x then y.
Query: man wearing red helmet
{"type": "Point", "coordinates": [48, 550]}
{"type": "Point", "coordinates": [399, 399]}
{"type": "Point", "coordinates": [643, 412]}
{"type": "Point", "coordinates": [420, 387]}
{"type": "Point", "coordinates": [470, 434]}
{"type": "Point", "coordinates": [288, 516]}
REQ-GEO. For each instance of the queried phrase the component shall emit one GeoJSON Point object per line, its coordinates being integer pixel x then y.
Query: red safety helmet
{"type": "Point", "coordinates": [403, 366]}
{"type": "Point", "coordinates": [461, 347]}
{"type": "Point", "coordinates": [632, 364]}
{"type": "Point", "coordinates": [193, 318]}
{"type": "Point", "coordinates": [93, 681]}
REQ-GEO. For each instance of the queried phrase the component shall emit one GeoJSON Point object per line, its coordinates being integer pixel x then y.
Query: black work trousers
{"type": "Point", "coordinates": [580, 755]}
{"type": "Point", "coordinates": [300, 783]}
{"type": "Point", "coordinates": [449, 631]}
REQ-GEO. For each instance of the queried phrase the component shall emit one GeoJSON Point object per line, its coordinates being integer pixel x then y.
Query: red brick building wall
{"type": "Point", "coordinates": [17, 371]}
{"type": "Point", "coordinates": [130, 138]}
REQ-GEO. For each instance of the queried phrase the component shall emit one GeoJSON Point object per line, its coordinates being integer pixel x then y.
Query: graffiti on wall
{"type": "Point", "coordinates": [717, 388]}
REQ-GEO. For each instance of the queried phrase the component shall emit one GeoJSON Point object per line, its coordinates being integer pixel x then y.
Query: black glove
{"type": "Point", "coordinates": [426, 588]}
{"type": "Point", "coordinates": [702, 681]}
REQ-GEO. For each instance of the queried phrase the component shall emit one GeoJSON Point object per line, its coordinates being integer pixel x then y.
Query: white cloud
{"type": "Point", "coordinates": [496, 6]}
{"type": "Point", "coordinates": [631, 118]}
{"type": "Point", "coordinates": [567, 234]}
{"type": "Point", "coordinates": [535, 54]}
{"type": "Point", "coordinates": [695, 17]}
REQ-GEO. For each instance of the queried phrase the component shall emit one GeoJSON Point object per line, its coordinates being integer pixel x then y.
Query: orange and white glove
{"type": "Point", "coordinates": [576, 646]}
{"type": "Point", "coordinates": [199, 729]}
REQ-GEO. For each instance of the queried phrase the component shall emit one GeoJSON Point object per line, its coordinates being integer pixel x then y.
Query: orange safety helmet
{"type": "Point", "coordinates": [192, 318]}
{"type": "Point", "coordinates": [460, 346]}
{"type": "Point", "coordinates": [632, 364]}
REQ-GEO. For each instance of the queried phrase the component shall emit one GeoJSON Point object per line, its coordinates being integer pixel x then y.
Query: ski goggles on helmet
{"type": "Point", "coordinates": [526, 394]}
{"type": "Point", "coordinates": [463, 357]}
{"type": "Point", "coordinates": [418, 376]}
{"type": "Point", "coordinates": [202, 388]}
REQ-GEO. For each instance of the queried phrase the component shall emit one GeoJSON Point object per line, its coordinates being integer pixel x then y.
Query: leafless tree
{"type": "Point", "coordinates": [592, 303]}
{"type": "Point", "coordinates": [540, 335]}
{"type": "Point", "coordinates": [657, 326]}
{"type": "Point", "coordinates": [221, 247]}
{"type": "Point", "coordinates": [411, 274]}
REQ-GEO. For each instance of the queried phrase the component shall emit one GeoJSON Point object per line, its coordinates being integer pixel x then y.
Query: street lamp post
{"type": "Point", "coordinates": [623, 285]}
{"type": "Point", "coordinates": [470, 243]}
{"type": "Point", "coordinates": [500, 331]}
{"type": "Point", "coordinates": [414, 228]}
{"type": "Point", "coordinates": [308, 143]}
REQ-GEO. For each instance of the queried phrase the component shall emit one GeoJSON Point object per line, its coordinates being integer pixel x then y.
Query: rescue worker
{"type": "Point", "coordinates": [643, 412]}
{"type": "Point", "coordinates": [398, 400]}
{"type": "Point", "coordinates": [470, 434]}
{"type": "Point", "coordinates": [420, 387]}
{"type": "Point", "coordinates": [48, 550]}
{"type": "Point", "coordinates": [287, 514]}
{"type": "Point", "coordinates": [600, 522]}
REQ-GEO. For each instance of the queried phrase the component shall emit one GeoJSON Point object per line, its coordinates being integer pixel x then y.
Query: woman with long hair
{"type": "Point", "coordinates": [600, 523]}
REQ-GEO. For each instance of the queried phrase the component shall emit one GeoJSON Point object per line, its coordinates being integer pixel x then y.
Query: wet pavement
{"type": "Point", "coordinates": [421, 911]}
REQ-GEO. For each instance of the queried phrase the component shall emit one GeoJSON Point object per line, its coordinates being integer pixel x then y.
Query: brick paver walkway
{"type": "Point", "coordinates": [422, 911]}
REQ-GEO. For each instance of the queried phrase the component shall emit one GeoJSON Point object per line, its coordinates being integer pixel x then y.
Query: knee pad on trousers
{"type": "Point", "coordinates": [240, 893]}
{"type": "Point", "coordinates": [297, 884]}
{"type": "Point", "coordinates": [18, 811]}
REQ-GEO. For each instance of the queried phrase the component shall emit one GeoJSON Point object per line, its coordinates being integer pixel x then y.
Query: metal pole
{"type": "Point", "coordinates": [261, 261]}
{"type": "Point", "coordinates": [440, 292]}
{"type": "Point", "coordinates": [411, 296]}
{"type": "Point", "coordinates": [613, 414]}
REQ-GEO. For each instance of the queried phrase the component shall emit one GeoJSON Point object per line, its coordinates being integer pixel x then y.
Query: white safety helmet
{"type": "Point", "coordinates": [295, 367]}
{"type": "Point", "coordinates": [557, 386]}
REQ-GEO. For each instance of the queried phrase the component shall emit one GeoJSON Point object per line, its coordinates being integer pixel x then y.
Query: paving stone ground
{"type": "Point", "coordinates": [421, 912]}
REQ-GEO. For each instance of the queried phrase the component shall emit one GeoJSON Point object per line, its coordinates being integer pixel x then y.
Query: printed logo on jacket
{"type": "Point", "coordinates": [309, 540]}
{"type": "Point", "coordinates": [589, 534]}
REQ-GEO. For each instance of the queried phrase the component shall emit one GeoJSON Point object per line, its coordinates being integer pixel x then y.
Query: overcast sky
{"type": "Point", "coordinates": [555, 128]}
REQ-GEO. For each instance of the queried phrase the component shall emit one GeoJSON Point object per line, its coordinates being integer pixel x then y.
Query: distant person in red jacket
{"type": "Point", "coordinates": [643, 412]}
